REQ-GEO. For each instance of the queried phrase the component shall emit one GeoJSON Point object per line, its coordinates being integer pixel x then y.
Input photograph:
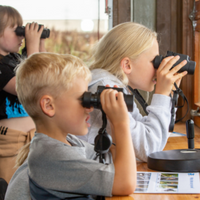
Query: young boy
{"type": "Point", "coordinates": [50, 87]}
{"type": "Point", "coordinates": [16, 127]}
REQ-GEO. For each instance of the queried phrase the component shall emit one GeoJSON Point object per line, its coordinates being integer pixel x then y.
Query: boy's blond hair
{"type": "Point", "coordinates": [128, 39]}
{"type": "Point", "coordinates": [47, 73]}
{"type": "Point", "coordinates": [9, 17]}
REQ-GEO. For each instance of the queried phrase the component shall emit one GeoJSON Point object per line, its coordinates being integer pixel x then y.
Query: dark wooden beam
{"type": "Point", "coordinates": [121, 11]}
{"type": "Point", "coordinates": [163, 25]}
{"type": "Point", "coordinates": [188, 49]}
{"type": "Point", "coordinates": [175, 33]}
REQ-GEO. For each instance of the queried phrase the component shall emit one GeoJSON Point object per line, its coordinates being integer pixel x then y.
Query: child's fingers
{"type": "Point", "coordinates": [120, 97]}
{"type": "Point", "coordinates": [32, 26]}
{"type": "Point", "coordinates": [113, 97]}
{"type": "Point", "coordinates": [41, 29]}
{"type": "Point", "coordinates": [108, 98]}
{"type": "Point", "coordinates": [114, 106]}
{"type": "Point", "coordinates": [178, 67]}
{"type": "Point", "coordinates": [179, 76]}
{"type": "Point", "coordinates": [178, 82]}
{"type": "Point", "coordinates": [121, 100]}
{"type": "Point", "coordinates": [104, 99]}
{"type": "Point", "coordinates": [164, 62]}
{"type": "Point", "coordinates": [167, 64]}
{"type": "Point", "coordinates": [27, 26]}
{"type": "Point", "coordinates": [35, 26]}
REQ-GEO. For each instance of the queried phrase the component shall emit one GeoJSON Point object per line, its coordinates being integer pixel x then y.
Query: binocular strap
{"type": "Point", "coordinates": [175, 97]}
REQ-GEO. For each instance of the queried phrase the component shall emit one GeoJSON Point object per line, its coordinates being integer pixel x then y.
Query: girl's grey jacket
{"type": "Point", "coordinates": [149, 133]}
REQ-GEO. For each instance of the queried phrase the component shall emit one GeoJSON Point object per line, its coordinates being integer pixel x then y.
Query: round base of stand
{"type": "Point", "coordinates": [180, 160]}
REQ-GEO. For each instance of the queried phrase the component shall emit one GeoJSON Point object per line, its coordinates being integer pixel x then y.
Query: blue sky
{"type": "Point", "coordinates": [58, 9]}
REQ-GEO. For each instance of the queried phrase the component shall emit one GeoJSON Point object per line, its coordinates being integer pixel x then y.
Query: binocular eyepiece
{"type": "Point", "coordinates": [93, 100]}
{"type": "Point", "coordinates": [20, 31]}
{"type": "Point", "coordinates": [189, 67]}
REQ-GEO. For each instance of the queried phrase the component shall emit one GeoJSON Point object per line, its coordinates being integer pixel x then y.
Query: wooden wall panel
{"type": "Point", "coordinates": [188, 49]}
{"type": "Point", "coordinates": [121, 11]}
{"type": "Point", "coordinates": [197, 59]}
{"type": "Point", "coordinates": [176, 34]}
{"type": "Point", "coordinates": [163, 25]}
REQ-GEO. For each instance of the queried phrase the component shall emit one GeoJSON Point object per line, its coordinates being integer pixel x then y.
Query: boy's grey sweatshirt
{"type": "Point", "coordinates": [149, 133]}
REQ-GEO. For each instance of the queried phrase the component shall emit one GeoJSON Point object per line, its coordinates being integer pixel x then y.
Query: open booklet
{"type": "Point", "coordinates": [167, 182]}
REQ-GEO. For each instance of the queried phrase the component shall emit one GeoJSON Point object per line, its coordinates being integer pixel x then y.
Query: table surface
{"type": "Point", "coordinates": [172, 143]}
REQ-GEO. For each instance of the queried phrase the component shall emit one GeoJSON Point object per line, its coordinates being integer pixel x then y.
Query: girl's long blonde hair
{"type": "Point", "coordinates": [128, 39]}
{"type": "Point", "coordinates": [22, 155]}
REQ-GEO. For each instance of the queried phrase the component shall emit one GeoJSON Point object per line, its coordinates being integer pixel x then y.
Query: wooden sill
{"type": "Point", "coordinates": [181, 128]}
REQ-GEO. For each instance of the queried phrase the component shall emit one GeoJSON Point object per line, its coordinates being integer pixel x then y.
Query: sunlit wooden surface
{"type": "Point", "coordinates": [173, 143]}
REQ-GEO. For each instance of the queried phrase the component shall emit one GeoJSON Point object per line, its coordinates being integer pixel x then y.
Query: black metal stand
{"type": "Point", "coordinates": [180, 160]}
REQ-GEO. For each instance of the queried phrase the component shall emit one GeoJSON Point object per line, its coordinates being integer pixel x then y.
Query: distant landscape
{"type": "Point", "coordinates": [66, 36]}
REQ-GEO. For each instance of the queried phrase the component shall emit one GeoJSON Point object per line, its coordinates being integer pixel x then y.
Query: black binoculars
{"type": "Point", "coordinates": [93, 100]}
{"type": "Point", "coordinates": [189, 67]}
{"type": "Point", "coordinates": [20, 31]}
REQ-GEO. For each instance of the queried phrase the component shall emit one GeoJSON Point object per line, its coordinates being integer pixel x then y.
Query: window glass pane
{"type": "Point", "coordinates": [75, 25]}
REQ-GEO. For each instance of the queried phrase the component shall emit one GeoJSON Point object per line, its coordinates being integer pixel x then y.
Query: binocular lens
{"type": "Point", "coordinates": [93, 100]}
{"type": "Point", "coordinates": [189, 67]}
{"type": "Point", "coordinates": [20, 31]}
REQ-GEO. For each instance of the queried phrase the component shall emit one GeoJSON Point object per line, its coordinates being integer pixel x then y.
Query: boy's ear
{"type": "Point", "coordinates": [126, 65]}
{"type": "Point", "coordinates": [47, 105]}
